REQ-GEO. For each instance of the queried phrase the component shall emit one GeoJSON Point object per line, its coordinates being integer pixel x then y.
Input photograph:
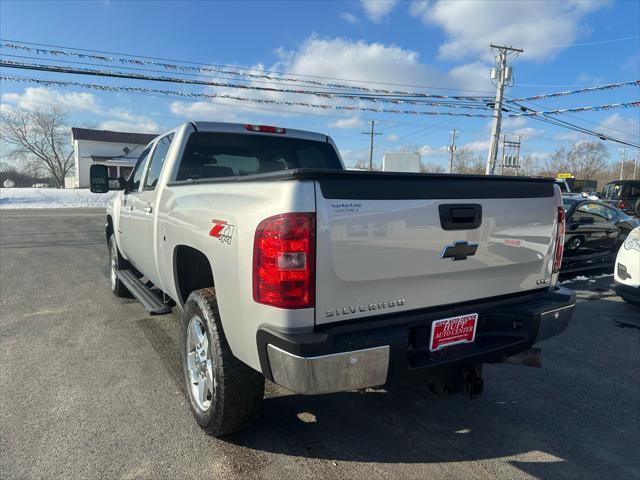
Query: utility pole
{"type": "Point", "coordinates": [502, 74]}
{"type": "Point", "coordinates": [452, 148]}
{"type": "Point", "coordinates": [623, 154]}
{"type": "Point", "coordinates": [371, 133]}
{"type": "Point", "coordinates": [635, 166]}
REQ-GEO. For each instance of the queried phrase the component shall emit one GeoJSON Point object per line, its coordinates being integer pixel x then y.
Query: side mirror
{"type": "Point", "coordinates": [98, 179]}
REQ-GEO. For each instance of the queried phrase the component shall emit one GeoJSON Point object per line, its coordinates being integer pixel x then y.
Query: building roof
{"type": "Point", "coordinates": [111, 137]}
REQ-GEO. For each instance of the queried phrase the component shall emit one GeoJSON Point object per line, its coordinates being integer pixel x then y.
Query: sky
{"type": "Point", "coordinates": [435, 47]}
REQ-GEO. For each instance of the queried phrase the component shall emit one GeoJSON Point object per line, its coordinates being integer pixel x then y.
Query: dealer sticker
{"type": "Point", "coordinates": [453, 331]}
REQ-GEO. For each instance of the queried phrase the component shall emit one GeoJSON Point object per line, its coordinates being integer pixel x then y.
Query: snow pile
{"type": "Point", "coordinates": [52, 198]}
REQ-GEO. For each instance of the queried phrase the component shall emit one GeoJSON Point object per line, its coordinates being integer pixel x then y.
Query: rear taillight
{"type": "Point", "coordinates": [622, 205]}
{"type": "Point", "coordinates": [265, 128]}
{"type": "Point", "coordinates": [284, 261]}
{"type": "Point", "coordinates": [557, 257]}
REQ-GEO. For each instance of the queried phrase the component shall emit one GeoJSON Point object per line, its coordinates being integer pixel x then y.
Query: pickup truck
{"type": "Point", "coordinates": [288, 267]}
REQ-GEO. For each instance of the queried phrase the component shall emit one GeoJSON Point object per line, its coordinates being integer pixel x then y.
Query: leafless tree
{"type": "Point", "coordinates": [465, 161]}
{"type": "Point", "coordinates": [584, 160]}
{"type": "Point", "coordinates": [429, 167]}
{"type": "Point", "coordinates": [39, 140]}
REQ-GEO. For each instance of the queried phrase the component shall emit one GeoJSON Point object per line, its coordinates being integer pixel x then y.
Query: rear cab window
{"type": "Point", "coordinates": [215, 155]}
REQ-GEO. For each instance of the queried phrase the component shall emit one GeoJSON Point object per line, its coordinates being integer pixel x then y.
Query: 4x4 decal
{"type": "Point", "coordinates": [222, 231]}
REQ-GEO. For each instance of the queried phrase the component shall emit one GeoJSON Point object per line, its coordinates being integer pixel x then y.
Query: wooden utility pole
{"type": "Point", "coordinates": [452, 148]}
{"type": "Point", "coordinates": [502, 74]}
{"type": "Point", "coordinates": [371, 133]}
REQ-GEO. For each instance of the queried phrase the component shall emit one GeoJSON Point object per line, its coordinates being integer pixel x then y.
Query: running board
{"type": "Point", "coordinates": [150, 301]}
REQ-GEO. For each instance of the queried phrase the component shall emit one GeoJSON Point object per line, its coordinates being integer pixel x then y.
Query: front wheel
{"type": "Point", "coordinates": [225, 395]}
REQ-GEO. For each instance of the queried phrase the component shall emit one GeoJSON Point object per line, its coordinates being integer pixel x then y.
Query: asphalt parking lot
{"type": "Point", "coordinates": [91, 387]}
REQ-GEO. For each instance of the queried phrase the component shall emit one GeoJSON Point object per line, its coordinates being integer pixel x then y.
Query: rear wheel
{"type": "Point", "coordinates": [116, 262]}
{"type": "Point", "coordinates": [225, 395]}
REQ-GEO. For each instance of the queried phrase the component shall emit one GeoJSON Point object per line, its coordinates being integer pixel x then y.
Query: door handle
{"type": "Point", "coordinates": [147, 209]}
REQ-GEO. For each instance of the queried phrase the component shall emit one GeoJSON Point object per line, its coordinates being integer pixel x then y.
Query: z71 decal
{"type": "Point", "coordinates": [222, 231]}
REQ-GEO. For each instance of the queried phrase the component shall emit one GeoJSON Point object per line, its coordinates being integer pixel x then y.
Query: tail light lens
{"type": "Point", "coordinates": [284, 261]}
{"type": "Point", "coordinates": [622, 205]}
{"type": "Point", "coordinates": [557, 258]}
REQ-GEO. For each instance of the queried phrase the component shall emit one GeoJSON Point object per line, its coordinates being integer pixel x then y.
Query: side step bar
{"type": "Point", "coordinates": [145, 296]}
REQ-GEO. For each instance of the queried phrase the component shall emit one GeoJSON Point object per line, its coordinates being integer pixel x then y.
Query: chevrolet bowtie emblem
{"type": "Point", "coordinates": [459, 250]}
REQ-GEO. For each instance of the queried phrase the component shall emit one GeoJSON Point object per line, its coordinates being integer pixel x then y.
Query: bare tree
{"type": "Point", "coordinates": [429, 167]}
{"type": "Point", "coordinates": [584, 160]}
{"type": "Point", "coordinates": [465, 161]}
{"type": "Point", "coordinates": [39, 140]}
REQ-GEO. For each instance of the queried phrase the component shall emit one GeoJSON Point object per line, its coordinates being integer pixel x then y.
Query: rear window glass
{"type": "Point", "coordinates": [213, 155]}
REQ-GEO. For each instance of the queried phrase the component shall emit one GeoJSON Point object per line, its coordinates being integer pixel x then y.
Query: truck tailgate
{"type": "Point", "coordinates": [390, 242]}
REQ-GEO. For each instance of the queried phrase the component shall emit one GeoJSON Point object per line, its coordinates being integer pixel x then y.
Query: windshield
{"type": "Point", "coordinates": [212, 155]}
{"type": "Point", "coordinates": [568, 203]}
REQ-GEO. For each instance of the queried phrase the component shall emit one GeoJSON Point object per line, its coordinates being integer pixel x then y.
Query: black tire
{"type": "Point", "coordinates": [118, 263]}
{"type": "Point", "coordinates": [628, 300]}
{"type": "Point", "coordinates": [235, 397]}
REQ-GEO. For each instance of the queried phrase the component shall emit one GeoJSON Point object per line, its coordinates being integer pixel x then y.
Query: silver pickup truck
{"type": "Point", "coordinates": [288, 267]}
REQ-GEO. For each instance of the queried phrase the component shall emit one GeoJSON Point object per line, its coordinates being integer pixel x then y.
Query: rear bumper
{"type": "Point", "coordinates": [627, 291]}
{"type": "Point", "coordinates": [393, 349]}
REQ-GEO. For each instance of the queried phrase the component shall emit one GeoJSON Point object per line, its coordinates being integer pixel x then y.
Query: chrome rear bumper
{"type": "Point", "coordinates": [337, 372]}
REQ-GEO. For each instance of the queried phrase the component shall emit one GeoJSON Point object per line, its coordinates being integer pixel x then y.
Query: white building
{"type": "Point", "coordinates": [119, 151]}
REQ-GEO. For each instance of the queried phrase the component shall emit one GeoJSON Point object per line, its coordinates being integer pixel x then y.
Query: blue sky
{"type": "Point", "coordinates": [437, 45]}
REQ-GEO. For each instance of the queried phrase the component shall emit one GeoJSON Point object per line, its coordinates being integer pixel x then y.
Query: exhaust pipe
{"type": "Point", "coordinates": [528, 358]}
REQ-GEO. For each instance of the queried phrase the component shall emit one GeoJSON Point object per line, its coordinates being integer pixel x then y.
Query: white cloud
{"type": "Point", "coordinates": [429, 151]}
{"type": "Point", "coordinates": [349, 122]}
{"type": "Point", "coordinates": [218, 111]}
{"type": "Point", "coordinates": [35, 98]}
{"type": "Point", "coordinates": [541, 28]}
{"type": "Point", "coordinates": [473, 76]}
{"type": "Point", "coordinates": [392, 137]}
{"type": "Point", "coordinates": [143, 126]}
{"type": "Point", "coordinates": [529, 132]}
{"type": "Point", "coordinates": [337, 58]}
{"type": "Point", "coordinates": [624, 128]}
{"type": "Point", "coordinates": [349, 17]}
{"type": "Point", "coordinates": [479, 146]}
{"type": "Point", "coordinates": [359, 61]}
{"type": "Point", "coordinates": [376, 10]}
{"type": "Point", "coordinates": [43, 98]}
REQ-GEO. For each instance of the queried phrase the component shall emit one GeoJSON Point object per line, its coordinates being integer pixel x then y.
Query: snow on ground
{"type": "Point", "coordinates": [52, 198]}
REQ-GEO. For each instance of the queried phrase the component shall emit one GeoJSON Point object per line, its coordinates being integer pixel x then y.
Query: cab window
{"type": "Point", "coordinates": [157, 162]}
{"type": "Point", "coordinates": [136, 174]}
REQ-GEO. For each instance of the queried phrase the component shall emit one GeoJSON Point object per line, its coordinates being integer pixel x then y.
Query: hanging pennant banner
{"type": "Point", "coordinates": [213, 96]}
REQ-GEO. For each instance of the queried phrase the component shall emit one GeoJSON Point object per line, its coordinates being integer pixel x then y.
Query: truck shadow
{"type": "Point", "coordinates": [412, 426]}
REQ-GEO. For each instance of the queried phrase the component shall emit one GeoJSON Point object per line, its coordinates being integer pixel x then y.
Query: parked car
{"type": "Point", "coordinates": [288, 267]}
{"type": "Point", "coordinates": [627, 270]}
{"type": "Point", "coordinates": [623, 194]}
{"type": "Point", "coordinates": [595, 231]}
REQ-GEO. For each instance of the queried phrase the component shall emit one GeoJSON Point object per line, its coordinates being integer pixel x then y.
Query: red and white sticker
{"type": "Point", "coordinates": [222, 231]}
{"type": "Point", "coordinates": [453, 331]}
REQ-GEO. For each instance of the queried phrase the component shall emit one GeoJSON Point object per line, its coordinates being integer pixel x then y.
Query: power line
{"type": "Point", "coordinates": [238, 98]}
{"type": "Point", "coordinates": [609, 86]}
{"type": "Point", "coordinates": [233, 67]}
{"type": "Point", "coordinates": [318, 93]}
{"type": "Point", "coordinates": [562, 123]}
{"type": "Point", "coordinates": [593, 108]}
{"type": "Point", "coordinates": [586, 44]}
